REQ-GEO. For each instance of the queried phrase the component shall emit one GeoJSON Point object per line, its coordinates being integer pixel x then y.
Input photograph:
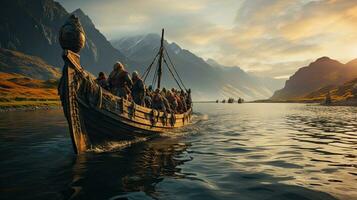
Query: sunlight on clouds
{"type": "Point", "coordinates": [265, 37]}
{"type": "Point", "coordinates": [286, 76]}
{"type": "Point", "coordinates": [138, 18]}
{"type": "Point", "coordinates": [205, 35]}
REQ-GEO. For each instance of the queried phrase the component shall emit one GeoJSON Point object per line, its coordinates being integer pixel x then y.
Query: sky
{"type": "Point", "coordinates": [265, 37]}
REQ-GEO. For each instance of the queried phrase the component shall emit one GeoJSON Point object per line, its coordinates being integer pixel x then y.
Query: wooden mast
{"type": "Point", "coordinates": [159, 70]}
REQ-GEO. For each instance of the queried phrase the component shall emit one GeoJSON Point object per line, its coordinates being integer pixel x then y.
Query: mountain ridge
{"type": "Point", "coordinates": [322, 72]}
{"type": "Point", "coordinates": [217, 80]}
{"type": "Point", "coordinates": [43, 19]}
{"type": "Point", "coordinates": [32, 27]}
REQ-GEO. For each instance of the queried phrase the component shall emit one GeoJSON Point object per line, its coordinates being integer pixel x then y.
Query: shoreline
{"type": "Point", "coordinates": [336, 103]}
{"type": "Point", "coordinates": [29, 105]}
{"type": "Point", "coordinates": [53, 105]}
{"type": "Point", "coordinates": [348, 102]}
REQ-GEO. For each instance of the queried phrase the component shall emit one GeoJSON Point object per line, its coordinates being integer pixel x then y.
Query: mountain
{"type": "Point", "coordinates": [30, 66]}
{"type": "Point", "coordinates": [98, 54]}
{"type": "Point", "coordinates": [208, 79]}
{"type": "Point", "coordinates": [194, 71]}
{"type": "Point", "coordinates": [32, 27]}
{"type": "Point", "coordinates": [318, 74]}
{"type": "Point", "coordinates": [265, 85]}
{"type": "Point", "coordinates": [214, 63]}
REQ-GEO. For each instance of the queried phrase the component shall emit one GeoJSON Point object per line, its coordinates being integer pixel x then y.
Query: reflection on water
{"type": "Point", "coordinates": [135, 169]}
{"type": "Point", "coordinates": [246, 151]}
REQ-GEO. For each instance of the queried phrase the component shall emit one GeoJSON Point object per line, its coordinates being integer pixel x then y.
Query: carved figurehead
{"type": "Point", "coordinates": [71, 35]}
{"type": "Point", "coordinates": [72, 39]}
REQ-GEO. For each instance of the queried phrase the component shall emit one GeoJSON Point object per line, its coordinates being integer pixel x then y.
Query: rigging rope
{"type": "Point", "coordinates": [147, 72]}
{"type": "Point", "coordinates": [155, 76]}
{"type": "Point", "coordinates": [173, 66]}
{"type": "Point", "coordinates": [172, 74]}
{"type": "Point", "coordinates": [179, 82]}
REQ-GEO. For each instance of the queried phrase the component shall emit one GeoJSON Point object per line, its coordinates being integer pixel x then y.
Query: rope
{"type": "Point", "coordinates": [100, 98]}
{"type": "Point", "coordinates": [172, 74]}
{"type": "Point", "coordinates": [179, 82]}
{"type": "Point", "coordinates": [173, 66]}
{"type": "Point", "coordinates": [146, 73]}
{"type": "Point", "coordinates": [155, 76]}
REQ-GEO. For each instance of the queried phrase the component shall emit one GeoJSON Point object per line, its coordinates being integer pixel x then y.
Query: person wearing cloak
{"type": "Point", "coordinates": [119, 81]}
{"type": "Point", "coordinates": [138, 90]}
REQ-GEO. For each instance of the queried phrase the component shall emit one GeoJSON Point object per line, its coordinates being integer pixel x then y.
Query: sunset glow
{"type": "Point", "coordinates": [267, 37]}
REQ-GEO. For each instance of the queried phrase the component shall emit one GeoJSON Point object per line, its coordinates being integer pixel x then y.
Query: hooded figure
{"type": "Point", "coordinates": [138, 90]}
{"type": "Point", "coordinates": [157, 102]}
{"type": "Point", "coordinates": [166, 102]}
{"type": "Point", "coordinates": [172, 101]}
{"type": "Point", "coordinates": [120, 81]}
{"type": "Point", "coordinates": [102, 80]}
{"type": "Point", "coordinates": [183, 100]}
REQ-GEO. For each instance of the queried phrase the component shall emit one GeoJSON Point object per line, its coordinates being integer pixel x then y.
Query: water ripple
{"type": "Point", "coordinates": [246, 151]}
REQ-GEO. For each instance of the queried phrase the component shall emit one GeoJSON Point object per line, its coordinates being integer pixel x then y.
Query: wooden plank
{"type": "Point", "coordinates": [139, 121]}
{"type": "Point", "coordinates": [146, 116]}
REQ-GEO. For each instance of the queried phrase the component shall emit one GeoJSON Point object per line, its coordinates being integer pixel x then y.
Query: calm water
{"type": "Point", "coordinates": [248, 151]}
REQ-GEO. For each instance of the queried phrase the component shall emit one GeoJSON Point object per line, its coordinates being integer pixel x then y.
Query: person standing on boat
{"type": "Point", "coordinates": [182, 96]}
{"type": "Point", "coordinates": [164, 99]}
{"type": "Point", "coordinates": [157, 102]}
{"type": "Point", "coordinates": [102, 81]}
{"type": "Point", "coordinates": [120, 81]}
{"type": "Point", "coordinates": [181, 104]}
{"type": "Point", "coordinates": [138, 90]}
{"type": "Point", "coordinates": [148, 96]}
{"type": "Point", "coordinates": [172, 101]}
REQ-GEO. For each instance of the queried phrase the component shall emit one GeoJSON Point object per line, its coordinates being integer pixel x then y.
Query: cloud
{"type": "Point", "coordinates": [266, 37]}
{"type": "Point", "coordinates": [279, 33]}
{"type": "Point", "coordinates": [277, 70]}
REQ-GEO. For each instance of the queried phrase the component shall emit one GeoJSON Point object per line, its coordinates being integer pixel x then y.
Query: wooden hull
{"type": "Point", "coordinates": [95, 116]}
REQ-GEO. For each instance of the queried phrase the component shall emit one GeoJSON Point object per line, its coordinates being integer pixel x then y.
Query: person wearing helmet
{"type": "Point", "coordinates": [138, 89]}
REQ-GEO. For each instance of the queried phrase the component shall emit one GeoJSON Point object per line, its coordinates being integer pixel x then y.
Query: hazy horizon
{"type": "Point", "coordinates": [271, 38]}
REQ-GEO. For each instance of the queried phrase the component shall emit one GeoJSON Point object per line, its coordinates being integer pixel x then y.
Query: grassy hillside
{"type": "Point", "coordinates": [343, 95]}
{"type": "Point", "coordinates": [344, 92]}
{"type": "Point", "coordinates": [30, 66]}
{"type": "Point", "coordinates": [19, 90]}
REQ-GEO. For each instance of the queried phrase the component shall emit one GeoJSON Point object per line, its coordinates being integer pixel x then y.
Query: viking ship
{"type": "Point", "coordinates": [96, 116]}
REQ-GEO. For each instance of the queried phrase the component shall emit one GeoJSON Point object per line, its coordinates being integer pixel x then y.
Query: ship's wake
{"type": "Point", "coordinates": [114, 146]}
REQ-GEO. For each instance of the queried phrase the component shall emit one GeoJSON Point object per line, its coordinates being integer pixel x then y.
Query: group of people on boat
{"type": "Point", "coordinates": [133, 88]}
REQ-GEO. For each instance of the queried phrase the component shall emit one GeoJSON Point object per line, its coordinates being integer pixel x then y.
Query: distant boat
{"type": "Point", "coordinates": [95, 116]}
